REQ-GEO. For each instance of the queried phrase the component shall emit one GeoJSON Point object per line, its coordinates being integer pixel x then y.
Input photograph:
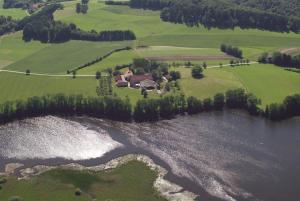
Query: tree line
{"type": "Point", "coordinates": [218, 14]}
{"type": "Point", "coordinates": [82, 7]}
{"type": "Point", "coordinates": [117, 3]}
{"type": "Point", "coordinates": [19, 3]}
{"type": "Point", "coordinates": [281, 59]}
{"type": "Point", "coordinates": [7, 25]}
{"type": "Point", "coordinates": [166, 107]}
{"type": "Point", "coordinates": [150, 4]}
{"type": "Point", "coordinates": [230, 50]}
{"type": "Point", "coordinates": [290, 107]}
{"type": "Point", "coordinates": [42, 26]}
{"type": "Point", "coordinates": [66, 105]}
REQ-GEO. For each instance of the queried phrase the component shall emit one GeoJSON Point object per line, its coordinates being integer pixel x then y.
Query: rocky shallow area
{"type": "Point", "coordinates": [170, 191]}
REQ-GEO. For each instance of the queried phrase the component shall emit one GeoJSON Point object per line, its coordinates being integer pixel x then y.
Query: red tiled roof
{"type": "Point", "coordinates": [139, 78]}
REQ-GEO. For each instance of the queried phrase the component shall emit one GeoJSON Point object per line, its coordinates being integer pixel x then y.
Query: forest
{"type": "Point", "coordinates": [219, 14]}
{"type": "Point", "coordinates": [42, 26]}
{"type": "Point", "coordinates": [281, 7]}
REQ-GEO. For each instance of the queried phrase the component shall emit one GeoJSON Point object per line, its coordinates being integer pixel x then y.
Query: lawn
{"type": "Point", "coordinates": [130, 182]}
{"type": "Point", "coordinates": [15, 86]}
{"type": "Point", "coordinates": [214, 81]}
{"type": "Point", "coordinates": [268, 82]}
{"type": "Point", "coordinates": [13, 48]}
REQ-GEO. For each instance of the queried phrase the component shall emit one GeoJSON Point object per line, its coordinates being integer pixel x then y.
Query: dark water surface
{"type": "Point", "coordinates": [220, 156]}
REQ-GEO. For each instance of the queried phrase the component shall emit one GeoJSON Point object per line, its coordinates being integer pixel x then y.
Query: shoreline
{"type": "Point", "coordinates": [165, 188]}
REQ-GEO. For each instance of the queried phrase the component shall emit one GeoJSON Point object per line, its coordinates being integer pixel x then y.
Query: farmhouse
{"type": "Point", "coordinates": [135, 80]}
{"type": "Point", "coordinates": [121, 81]}
{"type": "Point", "coordinates": [148, 84]}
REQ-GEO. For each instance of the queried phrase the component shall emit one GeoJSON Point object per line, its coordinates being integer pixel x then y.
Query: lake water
{"type": "Point", "coordinates": [220, 156]}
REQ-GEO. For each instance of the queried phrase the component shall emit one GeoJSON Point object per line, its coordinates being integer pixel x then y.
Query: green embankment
{"type": "Point", "coordinates": [130, 182]}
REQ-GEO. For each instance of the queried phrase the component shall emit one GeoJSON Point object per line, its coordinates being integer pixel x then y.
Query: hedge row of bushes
{"type": "Point", "coordinates": [98, 59]}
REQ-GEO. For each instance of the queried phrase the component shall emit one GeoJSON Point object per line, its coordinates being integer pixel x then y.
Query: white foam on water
{"type": "Point", "coordinates": [52, 137]}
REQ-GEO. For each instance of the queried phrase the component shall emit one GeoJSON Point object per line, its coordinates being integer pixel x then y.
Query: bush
{"type": "Point", "coordinates": [194, 105]}
{"type": "Point", "coordinates": [78, 192]}
{"type": "Point", "coordinates": [208, 104]}
{"type": "Point", "coordinates": [219, 101]}
{"type": "Point", "coordinates": [15, 198]}
{"type": "Point", "coordinates": [3, 180]}
{"type": "Point", "coordinates": [197, 72]}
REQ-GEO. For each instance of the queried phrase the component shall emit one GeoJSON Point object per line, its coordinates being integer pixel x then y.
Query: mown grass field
{"type": "Point", "coordinates": [58, 58]}
{"type": "Point", "coordinates": [152, 31]}
{"type": "Point", "coordinates": [270, 83]}
{"type": "Point", "coordinates": [16, 86]}
{"type": "Point", "coordinates": [130, 182]}
{"type": "Point", "coordinates": [14, 49]}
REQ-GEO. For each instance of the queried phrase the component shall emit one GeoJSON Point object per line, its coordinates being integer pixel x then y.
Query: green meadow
{"type": "Point", "coordinates": [269, 83]}
{"type": "Point", "coordinates": [130, 182]}
{"type": "Point", "coordinates": [58, 58]}
{"type": "Point", "coordinates": [17, 86]}
{"type": "Point", "coordinates": [151, 31]}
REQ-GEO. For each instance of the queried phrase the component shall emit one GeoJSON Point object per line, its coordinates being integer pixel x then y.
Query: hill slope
{"type": "Point", "coordinates": [282, 7]}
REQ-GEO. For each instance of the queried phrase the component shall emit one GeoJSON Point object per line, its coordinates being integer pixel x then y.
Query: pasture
{"type": "Point", "coordinates": [151, 31]}
{"type": "Point", "coordinates": [58, 58]}
{"type": "Point", "coordinates": [133, 181]}
{"type": "Point", "coordinates": [269, 83]}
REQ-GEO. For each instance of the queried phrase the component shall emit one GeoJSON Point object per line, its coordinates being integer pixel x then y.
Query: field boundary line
{"type": "Point", "coordinates": [48, 74]}
{"type": "Point", "coordinates": [89, 75]}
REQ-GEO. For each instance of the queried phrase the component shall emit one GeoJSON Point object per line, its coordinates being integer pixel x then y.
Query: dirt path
{"type": "Point", "coordinates": [70, 75]}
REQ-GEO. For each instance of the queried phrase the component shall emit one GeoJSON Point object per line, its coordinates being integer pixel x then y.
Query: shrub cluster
{"type": "Point", "coordinates": [290, 107]}
{"type": "Point", "coordinates": [233, 51]}
{"type": "Point", "coordinates": [7, 25]}
{"type": "Point", "coordinates": [82, 7]}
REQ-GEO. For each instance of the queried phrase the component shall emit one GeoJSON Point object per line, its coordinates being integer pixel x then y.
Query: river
{"type": "Point", "coordinates": [220, 155]}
